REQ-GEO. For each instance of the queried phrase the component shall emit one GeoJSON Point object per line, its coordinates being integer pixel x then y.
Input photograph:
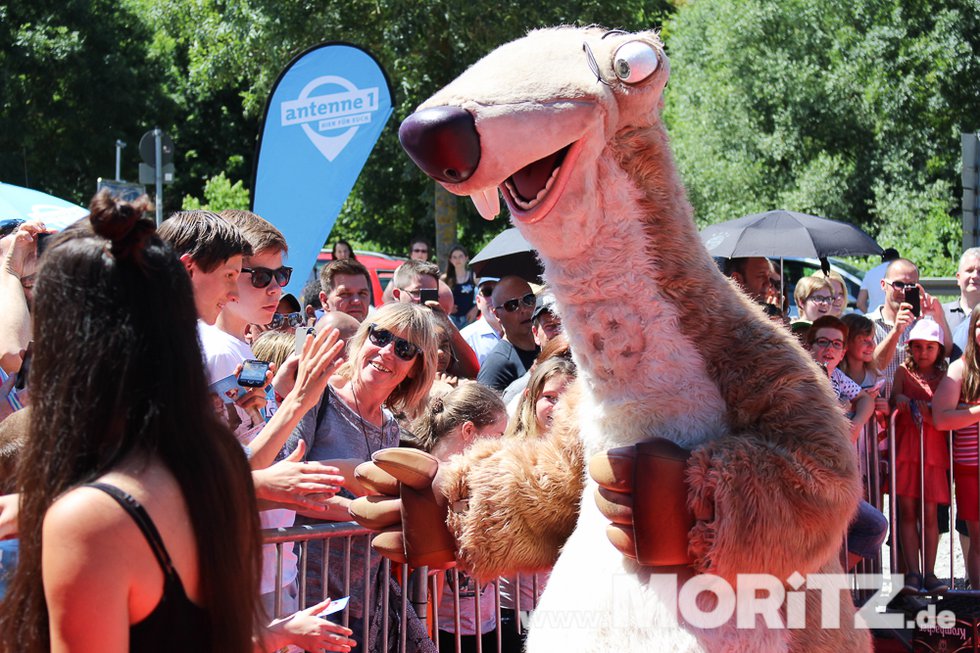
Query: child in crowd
{"type": "Point", "coordinates": [916, 380]}
{"type": "Point", "coordinates": [447, 426]}
{"type": "Point", "coordinates": [956, 405]}
{"type": "Point", "coordinates": [826, 339]}
{"type": "Point", "coordinates": [814, 297]}
{"type": "Point", "coordinates": [532, 419]}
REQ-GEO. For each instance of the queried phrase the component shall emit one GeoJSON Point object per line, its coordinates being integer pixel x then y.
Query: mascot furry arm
{"type": "Point", "coordinates": [564, 123]}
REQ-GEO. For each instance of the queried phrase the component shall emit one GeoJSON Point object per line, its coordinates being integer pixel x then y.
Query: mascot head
{"type": "Point", "coordinates": [533, 117]}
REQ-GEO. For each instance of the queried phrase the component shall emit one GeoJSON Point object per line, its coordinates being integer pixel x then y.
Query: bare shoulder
{"type": "Point", "coordinates": [956, 369]}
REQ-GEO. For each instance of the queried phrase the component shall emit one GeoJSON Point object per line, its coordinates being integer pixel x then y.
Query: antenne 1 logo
{"type": "Point", "coordinates": [321, 114]}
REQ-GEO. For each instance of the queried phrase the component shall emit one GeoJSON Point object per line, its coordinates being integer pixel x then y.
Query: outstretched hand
{"type": "Point", "coordinates": [298, 484]}
{"type": "Point", "coordinates": [311, 632]}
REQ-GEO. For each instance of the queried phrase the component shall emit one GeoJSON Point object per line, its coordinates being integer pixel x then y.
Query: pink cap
{"type": "Point", "coordinates": [928, 330]}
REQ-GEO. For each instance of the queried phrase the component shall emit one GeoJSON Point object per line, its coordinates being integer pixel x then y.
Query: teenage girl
{"type": "Point", "coordinates": [916, 380]}
{"type": "Point", "coordinates": [956, 405]}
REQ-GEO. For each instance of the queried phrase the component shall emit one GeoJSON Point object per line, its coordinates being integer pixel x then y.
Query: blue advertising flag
{"type": "Point", "coordinates": [324, 115]}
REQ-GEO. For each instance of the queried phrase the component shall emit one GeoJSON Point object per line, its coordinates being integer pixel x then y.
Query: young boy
{"type": "Point", "coordinates": [211, 250]}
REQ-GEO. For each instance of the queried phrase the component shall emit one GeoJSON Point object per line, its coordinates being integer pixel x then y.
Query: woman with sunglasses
{"type": "Point", "coordinates": [390, 367]}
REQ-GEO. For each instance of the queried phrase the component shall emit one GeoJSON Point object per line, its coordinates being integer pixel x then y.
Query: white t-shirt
{"type": "Point", "coordinates": [872, 283]}
{"type": "Point", "coordinates": [481, 337]}
{"type": "Point", "coordinates": [222, 353]}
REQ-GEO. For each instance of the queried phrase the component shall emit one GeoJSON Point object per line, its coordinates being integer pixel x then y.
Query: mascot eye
{"type": "Point", "coordinates": [635, 61]}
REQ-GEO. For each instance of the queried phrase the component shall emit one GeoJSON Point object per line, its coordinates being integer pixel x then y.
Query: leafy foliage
{"type": "Point", "coordinates": [851, 110]}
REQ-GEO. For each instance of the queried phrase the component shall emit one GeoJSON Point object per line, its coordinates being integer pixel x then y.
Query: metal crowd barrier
{"type": "Point", "coordinates": [421, 589]}
{"type": "Point", "coordinates": [417, 587]}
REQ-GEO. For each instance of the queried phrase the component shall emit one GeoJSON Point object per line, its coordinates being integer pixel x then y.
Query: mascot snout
{"type": "Point", "coordinates": [443, 142]}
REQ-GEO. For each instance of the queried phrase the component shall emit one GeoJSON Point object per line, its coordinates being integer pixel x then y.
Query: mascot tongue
{"type": "Point", "coordinates": [531, 179]}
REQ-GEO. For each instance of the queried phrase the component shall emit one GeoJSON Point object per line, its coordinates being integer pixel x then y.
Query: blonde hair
{"type": "Point", "coordinates": [524, 424]}
{"type": "Point", "coordinates": [415, 324]}
{"type": "Point", "coordinates": [470, 402]}
{"type": "Point", "coordinates": [809, 285]}
{"type": "Point", "coordinates": [274, 346]}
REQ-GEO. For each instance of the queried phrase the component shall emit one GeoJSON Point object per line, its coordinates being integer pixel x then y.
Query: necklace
{"type": "Point", "coordinates": [361, 420]}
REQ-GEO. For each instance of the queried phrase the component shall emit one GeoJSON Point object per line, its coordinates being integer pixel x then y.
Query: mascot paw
{"type": "Point", "coordinates": [643, 493]}
{"type": "Point", "coordinates": [409, 508]}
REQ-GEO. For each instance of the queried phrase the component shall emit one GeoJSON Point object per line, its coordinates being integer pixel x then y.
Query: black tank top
{"type": "Point", "coordinates": [176, 624]}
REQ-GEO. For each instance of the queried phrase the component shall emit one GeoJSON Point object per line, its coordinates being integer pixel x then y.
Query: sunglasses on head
{"type": "Point", "coordinates": [512, 305]}
{"type": "Point", "coordinates": [404, 349]}
{"type": "Point", "coordinates": [291, 320]}
{"type": "Point", "coordinates": [9, 226]}
{"type": "Point", "coordinates": [262, 277]}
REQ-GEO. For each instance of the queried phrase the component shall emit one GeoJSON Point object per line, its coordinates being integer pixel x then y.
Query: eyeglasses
{"type": "Point", "coordinates": [826, 300]}
{"type": "Point", "coordinates": [512, 305]}
{"type": "Point", "coordinates": [291, 320]}
{"type": "Point", "coordinates": [262, 277]}
{"type": "Point", "coordinates": [404, 349]}
{"type": "Point", "coordinates": [9, 226]}
{"type": "Point", "coordinates": [899, 285]}
{"type": "Point", "coordinates": [823, 343]}
{"type": "Point", "coordinates": [419, 251]}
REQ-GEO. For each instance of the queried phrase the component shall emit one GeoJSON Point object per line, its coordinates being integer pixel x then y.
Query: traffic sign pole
{"type": "Point", "coordinates": [158, 147]}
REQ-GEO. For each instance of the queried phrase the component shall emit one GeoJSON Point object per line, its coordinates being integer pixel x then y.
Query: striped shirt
{"type": "Point", "coordinates": [965, 446]}
{"type": "Point", "coordinates": [882, 329]}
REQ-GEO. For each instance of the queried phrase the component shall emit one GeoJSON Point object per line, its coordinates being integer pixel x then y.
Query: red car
{"type": "Point", "coordinates": [380, 266]}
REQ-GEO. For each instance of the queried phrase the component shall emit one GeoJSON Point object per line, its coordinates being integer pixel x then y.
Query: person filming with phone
{"type": "Point", "coordinates": [905, 303]}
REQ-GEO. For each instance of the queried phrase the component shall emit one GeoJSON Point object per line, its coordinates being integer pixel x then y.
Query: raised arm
{"type": "Point", "coordinates": [947, 411]}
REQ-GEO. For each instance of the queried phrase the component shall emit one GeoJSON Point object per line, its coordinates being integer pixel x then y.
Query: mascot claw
{"type": "Point", "coordinates": [410, 509]}
{"type": "Point", "coordinates": [654, 530]}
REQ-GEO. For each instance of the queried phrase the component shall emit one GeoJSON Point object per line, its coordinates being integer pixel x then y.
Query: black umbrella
{"type": "Point", "coordinates": [779, 234]}
{"type": "Point", "coordinates": [508, 253]}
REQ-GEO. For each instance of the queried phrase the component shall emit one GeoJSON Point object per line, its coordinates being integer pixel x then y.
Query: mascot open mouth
{"type": "Point", "coordinates": [532, 191]}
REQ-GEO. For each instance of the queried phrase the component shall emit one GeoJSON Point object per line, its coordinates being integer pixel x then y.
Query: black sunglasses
{"type": "Point", "coordinates": [262, 277]}
{"type": "Point", "coordinates": [291, 320]}
{"type": "Point", "coordinates": [512, 305]}
{"type": "Point", "coordinates": [9, 226]}
{"type": "Point", "coordinates": [404, 349]}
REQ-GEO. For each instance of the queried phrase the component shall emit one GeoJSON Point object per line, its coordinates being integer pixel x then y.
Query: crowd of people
{"type": "Point", "coordinates": [138, 512]}
{"type": "Point", "coordinates": [139, 461]}
{"type": "Point", "coordinates": [905, 354]}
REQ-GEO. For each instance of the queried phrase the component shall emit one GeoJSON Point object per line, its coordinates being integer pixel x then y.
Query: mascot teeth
{"type": "Point", "coordinates": [487, 203]}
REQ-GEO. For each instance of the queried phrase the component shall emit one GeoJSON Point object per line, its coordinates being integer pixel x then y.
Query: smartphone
{"type": "Point", "coordinates": [912, 297]}
{"type": "Point", "coordinates": [335, 606]}
{"type": "Point", "coordinates": [253, 373]}
{"type": "Point", "coordinates": [428, 295]}
{"type": "Point", "coordinates": [301, 333]}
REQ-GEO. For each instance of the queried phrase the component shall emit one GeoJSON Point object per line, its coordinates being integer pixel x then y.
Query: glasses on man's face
{"type": "Point", "coordinates": [9, 226]}
{"type": "Point", "coordinates": [287, 320]}
{"type": "Point", "coordinates": [823, 300]}
{"type": "Point", "coordinates": [899, 285]}
{"type": "Point", "coordinates": [512, 305]}
{"type": "Point", "coordinates": [824, 343]}
{"type": "Point", "coordinates": [262, 277]}
{"type": "Point", "coordinates": [404, 349]}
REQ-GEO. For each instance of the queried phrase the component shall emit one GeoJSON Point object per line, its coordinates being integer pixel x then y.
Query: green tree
{"type": "Point", "coordinates": [74, 77]}
{"type": "Point", "coordinates": [851, 110]}
{"type": "Point", "coordinates": [241, 47]}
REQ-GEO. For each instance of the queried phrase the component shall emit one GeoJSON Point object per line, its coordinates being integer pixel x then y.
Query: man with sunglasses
{"type": "Point", "coordinates": [893, 320]}
{"type": "Point", "coordinates": [484, 334]}
{"type": "Point", "coordinates": [513, 305]}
